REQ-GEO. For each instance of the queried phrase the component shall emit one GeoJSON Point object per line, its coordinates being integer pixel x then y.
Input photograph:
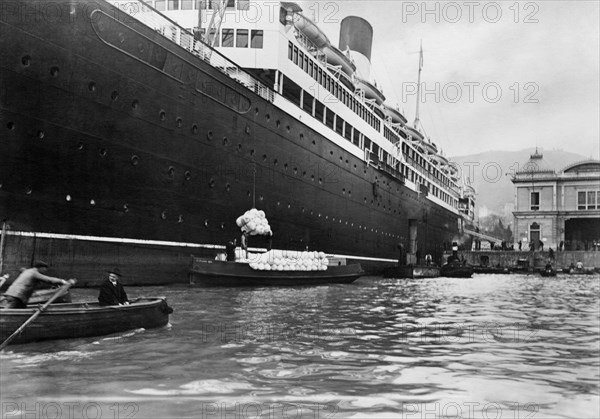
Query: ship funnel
{"type": "Point", "coordinates": [356, 34]}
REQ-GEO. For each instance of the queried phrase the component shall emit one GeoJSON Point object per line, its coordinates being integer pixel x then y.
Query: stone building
{"type": "Point", "coordinates": [557, 207]}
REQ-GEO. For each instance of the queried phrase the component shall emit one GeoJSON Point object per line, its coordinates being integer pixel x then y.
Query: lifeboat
{"type": "Point", "coordinates": [371, 92]}
{"type": "Point", "coordinates": [344, 78]}
{"type": "Point", "coordinates": [439, 159]}
{"type": "Point", "coordinates": [469, 191]}
{"type": "Point", "coordinates": [414, 133]}
{"type": "Point", "coordinates": [430, 147]}
{"type": "Point", "coordinates": [394, 115]}
{"type": "Point", "coordinates": [336, 57]}
{"type": "Point", "coordinates": [310, 30]}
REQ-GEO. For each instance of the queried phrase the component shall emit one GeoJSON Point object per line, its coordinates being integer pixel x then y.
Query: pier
{"type": "Point", "coordinates": [537, 259]}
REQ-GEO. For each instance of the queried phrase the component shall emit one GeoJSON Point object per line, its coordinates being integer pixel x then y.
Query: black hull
{"type": "Point", "coordinates": [110, 130]}
{"type": "Point", "coordinates": [213, 273]}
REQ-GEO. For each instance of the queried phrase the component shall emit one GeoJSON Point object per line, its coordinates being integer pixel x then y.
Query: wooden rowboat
{"type": "Point", "coordinates": [215, 273]}
{"type": "Point", "coordinates": [76, 320]}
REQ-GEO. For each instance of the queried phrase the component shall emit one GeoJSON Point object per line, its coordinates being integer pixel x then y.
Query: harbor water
{"type": "Point", "coordinates": [493, 346]}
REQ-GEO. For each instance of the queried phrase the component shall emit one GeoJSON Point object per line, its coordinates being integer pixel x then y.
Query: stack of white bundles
{"type": "Point", "coordinates": [282, 260]}
{"type": "Point", "coordinates": [254, 223]}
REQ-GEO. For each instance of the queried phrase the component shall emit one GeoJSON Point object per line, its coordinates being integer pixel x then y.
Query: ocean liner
{"type": "Point", "coordinates": [134, 136]}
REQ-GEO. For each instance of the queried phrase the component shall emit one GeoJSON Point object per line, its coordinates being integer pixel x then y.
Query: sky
{"type": "Point", "coordinates": [497, 75]}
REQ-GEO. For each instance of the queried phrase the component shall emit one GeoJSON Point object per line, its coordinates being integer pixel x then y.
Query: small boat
{"type": "Point", "coordinates": [456, 270]}
{"type": "Point", "coordinates": [215, 273]}
{"type": "Point", "coordinates": [85, 319]}
{"type": "Point", "coordinates": [548, 272]}
{"type": "Point", "coordinates": [42, 295]}
{"type": "Point", "coordinates": [412, 271]}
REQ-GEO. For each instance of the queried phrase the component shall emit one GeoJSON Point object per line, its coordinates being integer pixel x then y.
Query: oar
{"type": "Point", "coordinates": [61, 291]}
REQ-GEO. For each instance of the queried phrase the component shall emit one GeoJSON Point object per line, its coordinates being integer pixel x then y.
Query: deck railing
{"type": "Point", "coordinates": [152, 18]}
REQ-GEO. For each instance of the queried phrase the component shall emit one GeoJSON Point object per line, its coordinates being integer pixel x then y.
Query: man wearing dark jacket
{"type": "Point", "coordinates": [111, 291]}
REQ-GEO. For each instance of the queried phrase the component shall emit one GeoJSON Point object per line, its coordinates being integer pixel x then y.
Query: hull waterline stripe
{"type": "Point", "coordinates": [163, 243]}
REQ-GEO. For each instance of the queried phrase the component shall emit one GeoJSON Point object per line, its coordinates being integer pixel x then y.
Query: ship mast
{"type": "Point", "coordinates": [417, 120]}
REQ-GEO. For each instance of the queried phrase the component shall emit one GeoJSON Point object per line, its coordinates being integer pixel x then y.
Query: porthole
{"type": "Point", "coordinates": [162, 115]}
{"type": "Point", "coordinates": [211, 183]}
{"type": "Point", "coordinates": [320, 181]}
{"type": "Point", "coordinates": [114, 95]}
{"type": "Point", "coordinates": [225, 140]}
{"type": "Point", "coordinates": [41, 134]}
{"type": "Point", "coordinates": [54, 71]}
{"type": "Point", "coordinates": [163, 215]}
{"type": "Point", "coordinates": [92, 202]}
{"type": "Point", "coordinates": [312, 177]}
{"type": "Point", "coordinates": [206, 223]}
{"type": "Point", "coordinates": [275, 162]}
{"type": "Point", "coordinates": [188, 176]}
{"type": "Point", "coordinates": [80, 145]}
{"type": "Point", "coordinates": [239, 148]}
{"type": "Point", "coordinates": [134, 104]}
{"type": "Point", "coordinates": [180, 219]}
{"type": "Point", "coordinates": [227, 187]}
{"type": "Point", "coordinates": [278, 123]}
{"type": "Point", "coordinates": [247, 130]}
{"type": "Point", "coordinates": [179, 122]}
{"type": "Point", "coordinates": [135, 160]}
{"type": "Point", "coordinates": [287, 128]}
{"type": "Point", "coordinates": [268, 117]}
{"type": "Point", "coordinates": [126, 207]}
{"type": "Point", "coordinates": [194, 129]}
{"type": "Point", "coordinates": [26, 60]}
{"type": "Point", "coordinates": [222, 226]}
{"type": "Point", "coordinates": [171, 171]}
{"type": "Point", "coordinates": [209, 135]}
{"type": "Point", "coordinates": [302, 136]}
{"type": "Point", "coordinates": [252, 152]}
{"type": "Point", "coordinates": [103, 152]}
{"type": "Point", "coordinates": [92, 86]}
{"type": "Point", "coordinates": [28, 190]}
{"type": "Point", "coordinates": [314, 142]}
{"type": "Point", "coordinates": [10, 126]}
{"type": "Point", "coordinates": [256, 111]}
{"type": "Point", "coordinates": [264, 157]}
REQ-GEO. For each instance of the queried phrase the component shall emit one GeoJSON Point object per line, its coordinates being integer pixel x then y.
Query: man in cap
{"type": "Point", "coordinates": [111, 291]}
{"type": "Point", "coordinates": [21, 289]}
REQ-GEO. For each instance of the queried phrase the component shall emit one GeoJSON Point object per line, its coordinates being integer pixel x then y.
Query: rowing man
{"type": "Point", "coordinates": [21, 289]}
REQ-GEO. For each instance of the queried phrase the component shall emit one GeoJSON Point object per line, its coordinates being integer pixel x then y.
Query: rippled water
{"type": "Point", "coordinates": [497, 346]}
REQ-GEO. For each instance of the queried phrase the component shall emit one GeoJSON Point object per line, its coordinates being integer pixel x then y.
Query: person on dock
{"type": "Point", "coordinates": [21, 289]}
{"type": "Point", "coordinates": [541, 245]}
{"type": "Point", "coordinates": [551, 254]}
{"type": "Point", "coordinates": [112, 292]}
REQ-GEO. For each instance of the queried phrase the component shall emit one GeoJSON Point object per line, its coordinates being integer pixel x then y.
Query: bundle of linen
{"type": "Point", "coordinates": [285, 260]}
{"type": "Point", "coordinates": [254, 222]}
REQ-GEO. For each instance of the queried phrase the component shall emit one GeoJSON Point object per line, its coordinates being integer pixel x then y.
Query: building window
{"type": "Point", "coordinates": [588, 200]}
{"type": "Point", "coordinates": [535, 201]}
{"type": "Point", "coordinates": [242, 38]}
{"type": "Point", "coordinates": [187, 4]}
{"type": "Point", "coordinates": [227, 38]}
{"type": "Point", "coordinates": [173, 4]}
{"type": "Point", "coordinates": [256, 39]}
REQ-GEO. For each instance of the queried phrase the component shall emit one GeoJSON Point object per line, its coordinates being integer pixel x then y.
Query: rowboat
{"type": "Point", "coordinates": [85, 319]}
{"type": "Point", "coordinates": [456, 270]}
{"type": "Point", "coordinates": [214, 273]}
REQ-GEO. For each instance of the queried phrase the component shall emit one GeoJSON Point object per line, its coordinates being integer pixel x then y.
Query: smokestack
{"type": "Point", "coordinates": [357, 34]}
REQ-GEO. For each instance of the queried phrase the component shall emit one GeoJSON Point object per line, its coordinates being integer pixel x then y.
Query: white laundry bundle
{"type": "Point", "coordinates": [254, 223]}
{"type": "Point", "coordinates": [287, 260]}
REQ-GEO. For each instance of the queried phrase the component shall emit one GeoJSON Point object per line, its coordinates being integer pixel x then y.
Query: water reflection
{"type": "Point", "coordinates": [517, 345]}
